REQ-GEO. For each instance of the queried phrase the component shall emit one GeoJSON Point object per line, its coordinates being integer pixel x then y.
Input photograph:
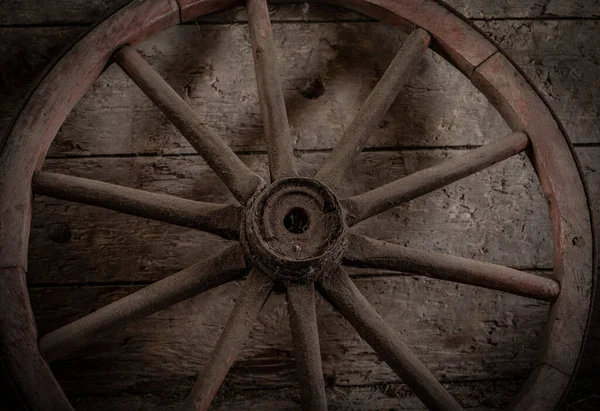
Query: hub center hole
{"type": "Point", "coordinates": [296, 221]}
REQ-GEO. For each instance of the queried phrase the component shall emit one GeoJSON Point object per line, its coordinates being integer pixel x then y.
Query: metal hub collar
{"type": "Point", "coordinates": [294, 229]}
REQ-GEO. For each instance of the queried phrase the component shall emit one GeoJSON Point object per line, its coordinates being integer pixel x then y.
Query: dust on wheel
{"type": "Point", "coordinates": [294, 231]}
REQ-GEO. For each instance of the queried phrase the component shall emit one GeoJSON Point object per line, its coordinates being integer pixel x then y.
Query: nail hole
{"type": "Point", "coordinates": [296, 221]}
{"type": "Point", "coordinates": [313, 89]}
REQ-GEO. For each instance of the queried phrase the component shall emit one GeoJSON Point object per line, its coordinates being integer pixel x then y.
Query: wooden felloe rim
{"type": "Point", "coordinates": [430, 25]}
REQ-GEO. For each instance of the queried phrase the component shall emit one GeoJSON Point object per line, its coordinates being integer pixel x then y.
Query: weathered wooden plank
{"type": "Point", "coordinates": [373, 110]}
{"type": "Point", "coordinates": [478, 395]}
{"type": "Point", "coordinates": [341, 292]}
{"type": "Point", "coordinates": [497, 216]}
{"type": "Point", "coordinates": [498, 338]}
{"type": "Point", "coordinates": [485, 9]}
{"type": "Point", "coordinates": [439, 105]}
{"type": "Point", "coordinates": [573, 238]}
{"type": "Point", "coordinates": [241, 181]}
{"type": "Point", "coordinates": [562, 59]}
{"type": "Point", "coordinates": [327, 72]}
{"type": "Point", "coordinates": [76, 11]}
{"type": "Point", "coordinates": [475, 395]}
{"type": "Point", "coordinates": [322, 61]}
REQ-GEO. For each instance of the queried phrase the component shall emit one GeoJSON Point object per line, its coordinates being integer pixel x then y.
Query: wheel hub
{"type": "Point", "coordinates": [294, 229]}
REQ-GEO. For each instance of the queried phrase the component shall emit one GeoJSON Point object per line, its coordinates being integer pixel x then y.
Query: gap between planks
{"type": "Point", "coordinates": [297, 153]}
{"type": "Point", "coordinates": [358, 276]}
{"type": "Point", "coordinates": [200, 22]}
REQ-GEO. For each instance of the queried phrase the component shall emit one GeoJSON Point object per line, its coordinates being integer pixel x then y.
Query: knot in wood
{"type": "Point", "coordinates": [295, 230]}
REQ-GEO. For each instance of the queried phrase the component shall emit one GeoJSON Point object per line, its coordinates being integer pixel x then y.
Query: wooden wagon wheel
{"type": "Point", "coordinates": [293, 231]}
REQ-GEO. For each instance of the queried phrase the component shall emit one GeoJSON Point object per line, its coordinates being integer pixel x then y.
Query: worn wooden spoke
{"type": "Point", "coordinates": [303, 321]}
{"type": "Point", "coordinates": [272, 104]}
{"type": "Point", "coordinates": [390, 195]}
{"type": "Point", "coordinates": [341, 292]}
{"type": "Point", "coordinates": [242, 181]}
{"type": "Point", "coordinates": [366, 252]}
{"type": "Point", "coordinates": [225, 267]}
{"type": "Point", "coordinates": [374, 109]}
{"type": "Point", "coordinates": [253, 296]}
{"type": "Point", "coordinates": [223, 220]}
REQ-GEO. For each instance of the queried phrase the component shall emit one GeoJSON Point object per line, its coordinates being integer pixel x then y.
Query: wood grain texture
{"type": "Point", "coordinates": [366, 252]}
{"type": "Point", "coordinates": [392, 396]}
{"type": "Point", "coordinates": [339, 290]}
{"type": "Point", "coordinates": [309, 54]}
{"type": "Point", "coordinates": [408, 188]}
{"type": "Point", "coordinates": [73, 11]}
{"type": "Point", "coordinates": [459, 332]}
{"type": "Point", "coordinates": [373, 110]}
{"type": "Point", "coordinates": [563, 60]}
{"type": "Point", "coordinates": [435, 109]}
{"type": "Point", "coordinates": [483, 9]}
{"type": "Point", "coordinates": [573, 241]}
{"type": "Point", "coordinates": [307, 351]}
{"type": "Point", "coordinates": [220, 219]}
{"type": "Point", "coordinates": [252, 298]}
{"type": "Point", "coordinates": [268, 79]}
{"type": "Point", "coordinates": [237, 177]}
{"type": "Point", "coordinates": [202, 276]}
{"type": "Point", "coordinates": [497, 216]}
{"type": "Point", "coordinates": [38, 123]}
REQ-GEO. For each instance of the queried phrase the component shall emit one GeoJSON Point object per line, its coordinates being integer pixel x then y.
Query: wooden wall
{"type": "Point", "coordinates": [480, 343]}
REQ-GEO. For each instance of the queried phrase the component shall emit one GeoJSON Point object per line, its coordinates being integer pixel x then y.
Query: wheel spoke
{"type": "Point", "coordinates": [272, 104]}
{"type": "Point", "coordinates": [303, 321]}
{"type": "Point", "coordinates": [366, 252]}
{"type": "Point", "coordinates": [253, 296]}
{"type": "Point", "coordinates": [376, 201]}
{"type": "Point", "coordinates": [225, 267]}
{"type": "Point", "coordinates": [242, 181]}
{"type": "Point", "coordinates": [341, 292]}
{"type": "Point", "coordinates": [223, 220]}
{"type": "Point", "coordinates": [374, 109]}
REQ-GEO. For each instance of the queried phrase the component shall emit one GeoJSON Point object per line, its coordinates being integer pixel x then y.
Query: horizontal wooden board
{"type": "Point", "coordinates": [474, 396]}
{"type": "Point", "coordinates": [459, 332]}
{"type": "Point", "coordinates": [481, 395]}
{"type": "Point", "coordinates": [498, 215]}
{"type": "Point", "coordinates": [347, 59]}
{"type": "Point", "coordinates": [507, 9]}
{"type": "Point", "coordinates": [434, 110]}
{"type": "Point", "coordinates": [562, 59]}
{"type": "Point", "coordinates": [437, 108]}
{"type": "Point", "coordinates": [75, 11]}
{"type": "Point", "coordinates": [69, 12]}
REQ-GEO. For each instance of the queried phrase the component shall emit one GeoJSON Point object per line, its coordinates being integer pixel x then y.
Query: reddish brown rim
{"type": "Point", "coordinates": [475, 56]}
